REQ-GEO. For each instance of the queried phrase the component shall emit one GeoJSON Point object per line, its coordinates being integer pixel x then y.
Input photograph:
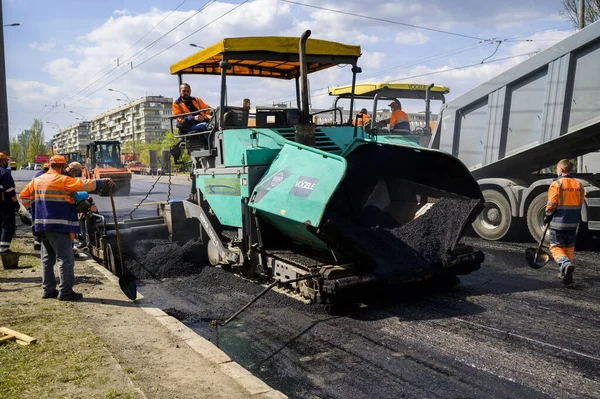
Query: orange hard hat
{"type": "Point", "coordinates": [58, 160]}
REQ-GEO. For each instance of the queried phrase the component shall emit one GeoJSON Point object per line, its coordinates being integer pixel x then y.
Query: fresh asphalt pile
{"type": "Point", "coordinates": [163, 259]}
{"type": "Point", "coordinates": [404, 251]}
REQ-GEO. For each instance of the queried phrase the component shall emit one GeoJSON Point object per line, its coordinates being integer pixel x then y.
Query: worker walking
{"type": "Point", "coordinates": [565, 199]}
{"type": "Point", "coordinates": [50, 201]}
{"type": "Point", "coordinates": [8, 206]}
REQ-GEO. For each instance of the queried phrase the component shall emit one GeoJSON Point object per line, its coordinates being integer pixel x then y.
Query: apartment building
{"type": "Point", "coordinates": [72, 139]}
{"type": "Point", "coordinates": [150, 120]}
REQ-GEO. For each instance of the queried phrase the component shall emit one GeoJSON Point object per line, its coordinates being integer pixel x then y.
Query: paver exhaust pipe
{"type": "Point", "coordinates": [305, 131]}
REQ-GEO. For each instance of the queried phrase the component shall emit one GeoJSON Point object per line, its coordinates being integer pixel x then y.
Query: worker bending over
{"type": "Point", "coordinates": [563, 210]}
{"type": "Point", "coordinates": [49, 197]}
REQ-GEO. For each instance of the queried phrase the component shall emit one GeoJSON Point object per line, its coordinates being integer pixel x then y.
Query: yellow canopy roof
{"type": "Point", "coordinates": [266, 56]}
{"type": "Point", "coordinates": [370, 89]}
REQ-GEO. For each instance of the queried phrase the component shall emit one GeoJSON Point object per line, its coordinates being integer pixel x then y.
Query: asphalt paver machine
{"type": "Point", "coordinates": [286, 199]}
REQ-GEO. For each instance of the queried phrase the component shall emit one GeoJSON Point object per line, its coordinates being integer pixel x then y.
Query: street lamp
{"type": "Point", "coordinates": [132, 131]}
{"type": "Point", "coordinates": [15, 24]}
{"type": "Point", "coordinates": [54, 123]}
{"type": "Point", "coordinates": [195, 45]}
{"type": "Point", "coordinates": [82, 117]}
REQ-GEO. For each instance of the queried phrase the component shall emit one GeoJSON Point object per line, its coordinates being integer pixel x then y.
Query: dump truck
{"type": "Point", "coordinates": [286, 199]}
{"type": "Point", "coordinates": [511, 130]}
{"type": "Point", "coordinates": [103, 161]}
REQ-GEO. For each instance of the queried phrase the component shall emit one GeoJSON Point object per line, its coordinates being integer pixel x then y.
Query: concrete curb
{"type": "Point", "coordinates": [252, 384]}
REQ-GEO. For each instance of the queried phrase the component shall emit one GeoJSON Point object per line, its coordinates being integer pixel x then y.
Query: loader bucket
{"type": "Point", "coordinates": [396, 211]}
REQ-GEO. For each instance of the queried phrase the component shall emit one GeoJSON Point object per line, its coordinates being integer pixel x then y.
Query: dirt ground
{"type": "Point", "coordinates": [103, 346]}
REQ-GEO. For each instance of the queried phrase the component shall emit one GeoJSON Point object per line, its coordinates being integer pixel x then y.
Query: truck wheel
{"type": "Point", "coordinates": [495, 220]}
{"type": "Point", "coordinates": [535, 218]}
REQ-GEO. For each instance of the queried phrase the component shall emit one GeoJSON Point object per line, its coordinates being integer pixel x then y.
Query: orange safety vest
{"type": "Point", "coordinates": [565, 199]}
{"type": "Point", "coordinates": [398, 116]}
{"type": "Point", "coordinates": [363, 119]}
{"type": "Point", "coordinates": [179, 107]}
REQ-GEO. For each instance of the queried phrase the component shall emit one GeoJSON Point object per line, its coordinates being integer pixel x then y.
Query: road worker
{"type": "Point", "coordinates": [186, 104]}
{"type": "Point", "coordinates": [9, 205]}
{"type": "Point", "coordinates": [399, 118]}
{"type": "Point", "coordinates": [563, 210]}
{"type": "Point", "coordinates": [75, 169]}
{"type": "Point", "coordinates": [50, 201]}
{"type": "Point", "coordinates": [363, 118]}
{"type": "Point", "coordinates": [37, 243]}
{"type": "Point", "coordinates": [45, 168]}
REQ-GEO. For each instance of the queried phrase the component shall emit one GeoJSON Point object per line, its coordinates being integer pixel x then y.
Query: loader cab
{"type": "Point", "coordinates": [375, 97]}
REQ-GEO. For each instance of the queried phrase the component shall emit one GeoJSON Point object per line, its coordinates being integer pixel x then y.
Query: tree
{"type": "Point", "coordinates": [591, 14]}
{"type": "Point", "coordinates": [23, 139]}
{"type": "Point", "coordinates": [37, 142]}
{"type": "Point", "coordinates": [15, 150]}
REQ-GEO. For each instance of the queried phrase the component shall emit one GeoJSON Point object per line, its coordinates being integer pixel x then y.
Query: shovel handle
{"type": "Point", "coordinates": [112, 204]}
{"type": "Point", "coordinates": [537, 253]}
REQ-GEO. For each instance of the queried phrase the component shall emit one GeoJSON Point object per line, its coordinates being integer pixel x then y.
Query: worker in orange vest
{"type": "Point", "coordinates": [49, 197]}
{"type": "Point", "coordinates": [563, 210]}
{"type": "Point", "coordinates": [399, 118]}
{"type": "Point", "coordinates": [363, 118]}
{"type": "Point", "coordinates": [186, 104]}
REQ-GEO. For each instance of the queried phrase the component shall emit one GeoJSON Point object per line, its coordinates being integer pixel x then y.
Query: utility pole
{"type": "Point", "coordinates": [4, 134]}
{"type": "Point", "coordinates": [581, 14]}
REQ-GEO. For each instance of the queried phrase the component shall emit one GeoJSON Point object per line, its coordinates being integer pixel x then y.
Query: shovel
{"type": "Point", "coordinates": [537, 258]}
{"type": "Point", "coordinates": [127, 280]}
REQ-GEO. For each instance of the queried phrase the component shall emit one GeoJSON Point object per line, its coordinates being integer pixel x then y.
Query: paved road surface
{"type": "Point", "coordinates": [506, 331]}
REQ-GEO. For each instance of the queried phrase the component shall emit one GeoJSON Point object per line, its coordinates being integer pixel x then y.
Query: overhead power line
{"type": "Point", "coordinates": [466, 66]}
{"type": "Point", "coordinates": [353, 14]}
{"type": "Point", "coordinates": [162, 51]}
{"type": "Point", "coordinates": [124, 63]}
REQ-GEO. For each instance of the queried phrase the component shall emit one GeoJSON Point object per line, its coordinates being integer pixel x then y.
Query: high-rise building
{"type": "Point", "coordinates": [73, 138]}
{"type": "Point", "coordinates": [150, 120]}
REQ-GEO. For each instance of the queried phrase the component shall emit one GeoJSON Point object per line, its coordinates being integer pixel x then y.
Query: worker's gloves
{"type": "Point", "coordinates": [108, 182]}
{"type": "Point", "coordinates": [17, 206]}
{"type": "Point", "coordinates": [548, 218]}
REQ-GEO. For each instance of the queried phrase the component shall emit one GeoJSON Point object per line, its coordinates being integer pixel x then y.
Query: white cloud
{"type": "Point", "coordinates": [32, 91]}
{"type": "Point", "coordinates": [47, 46]}
{"type": "Point", "coordinates": [412, 38]}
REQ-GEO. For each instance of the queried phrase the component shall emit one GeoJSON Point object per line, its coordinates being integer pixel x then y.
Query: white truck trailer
{"type": "Point", "coordinates": [512, 129]}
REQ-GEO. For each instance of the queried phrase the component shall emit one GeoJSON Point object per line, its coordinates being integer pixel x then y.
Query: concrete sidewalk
{"type": "Point", "coordinates": [167, 358]}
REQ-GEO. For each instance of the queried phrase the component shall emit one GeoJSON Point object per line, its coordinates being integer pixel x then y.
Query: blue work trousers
{"type": "Point", "coordinates": [57, 247]}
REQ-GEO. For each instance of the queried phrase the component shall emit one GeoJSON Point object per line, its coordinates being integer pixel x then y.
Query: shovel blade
{"type": "Point", "coordinates": [128, 285]}
{"type": "Point", "coordinates": [536, 259]}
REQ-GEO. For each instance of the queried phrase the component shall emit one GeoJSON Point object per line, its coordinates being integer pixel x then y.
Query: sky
{"type": "Point", "coordinates": [62, 59]}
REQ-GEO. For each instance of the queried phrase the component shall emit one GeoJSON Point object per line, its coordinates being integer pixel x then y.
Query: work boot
{"type": "Point", "coordinates": [567, 274]}
{"type": "Point", "coordinates": [49, 294]}
{"type": "Point", "coordinates": [71, 296]}
{"type": "Point", "coordinates": [37, 245]}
